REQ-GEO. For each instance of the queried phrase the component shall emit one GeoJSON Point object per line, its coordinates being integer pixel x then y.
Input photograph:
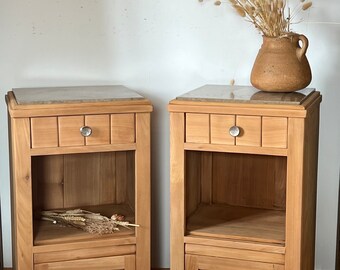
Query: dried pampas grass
{"type": "Point", "coordinates": [271, 17]}
{"type": "Point", "coordinates": [86, 220]}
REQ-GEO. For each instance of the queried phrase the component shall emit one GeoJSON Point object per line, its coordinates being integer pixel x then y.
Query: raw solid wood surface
{"type": "Point", "coordinates": [114, 263]}
{"type": "Point", "coordinates": [238, 223]}
{"type": "Point", "coordinates": [44, 132]}
{"type": "Point", "coordinates": [231, 253]}
{"type": "Point", "coordinates": [84, 253]}
{"type": "Point", "coordinates": [100, 125]}
{"type": "Point", "coordinates": [220, 125]}
{"type": "Point", "coordinates": [143, 191]}
{"type": "Point", "coordinates": [98, 176]}
{"type": "Point", "coordinates": [235, 179]}
{"type": "Point", "coordinates": [69, 130]}
{"type": "Point", "coordinates": [21, 186]}
{"type": "Point", "coordinates": [250, 134]}
{"type": "Point", "coordinates": [122, 128]}
{"type": "Point", "coordinates": [197, 128]}
{"type": "Point", "coordinates": [215, 263]}
{"type": "Point", "coordinates": [274, 132]}
{"type": "Point", "coordinates": [177, 191]}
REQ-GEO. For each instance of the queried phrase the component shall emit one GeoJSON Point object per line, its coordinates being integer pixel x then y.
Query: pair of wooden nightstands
{"type": "Point", "coordinates": [243, 177]}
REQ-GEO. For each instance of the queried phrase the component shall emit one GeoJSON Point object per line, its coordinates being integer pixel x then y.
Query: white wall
{"type": "Point", "coordinates": [161, 49]}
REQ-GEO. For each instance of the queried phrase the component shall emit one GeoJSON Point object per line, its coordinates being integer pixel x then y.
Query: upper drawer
{"type": "Point", "coordinates": [241, 130]}
{"type": "Point", "coordinates": [82, 130]}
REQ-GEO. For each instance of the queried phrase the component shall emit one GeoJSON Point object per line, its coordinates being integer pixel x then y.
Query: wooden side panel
{"type": "Point", "coordinates": [192, 181]}
{"type": "Point", "coordinates": [113, 263]}
{"type": "Point", "coordinates": [249, 180]}
{"type": "Point", "coordinates": [220, 125]}
{"type": "Point", "coordinates": [177, 191]}
{"type": "Point", "coordinates": [48, 182]}
{"type": "Point", "coordinates": [215, 263]}
{"type": "Point", "coordinates": [21, 184]}
{"type": "Point", "coordinates": [44, 132]}
{"type": "Point", "coordinates": [100, 125]}
{"type": "Point", "coordinates": [250, 134]}
{"type": "Point", "coordinates": [82, 172]}
{"type": "Point", "coordinates": [274, 132]}
{"type": "Point", "coordinates": [309, 187]}
{"type": "Point", "coordinates": [143, 191]}
{"type": "Point", "coordinates": [295, 177]}
{"type": "Point", "coordinates": [121, 170]}
{"type": "Point", "coordinates": [122, 128]}
{"type": "Point", "coordinates": [197, 128]}
{"type": "Point", "coordinates": [69, 130]}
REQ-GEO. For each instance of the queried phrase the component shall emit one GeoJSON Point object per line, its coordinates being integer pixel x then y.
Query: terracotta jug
{"type": "Point", "coordinates": [281, 65]}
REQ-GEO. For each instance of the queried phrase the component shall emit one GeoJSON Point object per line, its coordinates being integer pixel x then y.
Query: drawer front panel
{"type": "Point", "coordinates": [219, 126]}
{"type": "Point", "coordinates": [100, 126]}
{"type": "Point", "coordinates": [44, 131]}
{"type": "Point", "coordinates": [214, 263]}
{"type": "Point", "coordinates": [69, 130]}
{"type": "Point", "coordinates": [115, 263]}
{"type": "Point", "coordinates": [250, 130]}
{"type": "Point", "coordinates": [238, 254]}
{"type": "Point", "coordinates": [274, 132]}
{"type": "Point", "coordinates": [86, 253]}
{"type": "Point", "coordinates": [197, 128]}
{"type": "Point", "coordinates": [123, 128]}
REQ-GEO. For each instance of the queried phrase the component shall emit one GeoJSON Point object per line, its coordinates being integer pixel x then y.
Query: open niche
{"type": "Point", "coordinates": [99, 182]}
{"type": "Point", "coordinates": [236, 196]}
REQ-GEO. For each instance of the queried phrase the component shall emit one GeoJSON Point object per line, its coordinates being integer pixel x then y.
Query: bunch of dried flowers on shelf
{"type": "Point", "coordinates": [273, 18]}
{"type": "Point", "coordinates": [86, 220]}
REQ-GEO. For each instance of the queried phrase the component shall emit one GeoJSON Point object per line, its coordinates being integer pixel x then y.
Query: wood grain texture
{"type": "Point", "coordinates": [274, 132]}
{"type": "Point", "coordinates": [231, 253]}
{"type": "Point", "coordinates": [21, 185]}
{"type": "Point", "coordinates": [177, 191]}
{"type": "Point", "coordinates": [237, 223]}
{"type": "Point", "coordinates": [143, 191]}
{"type": "Point", "coordinates": [197, 128]}
{"type": "Point", "coordinates": [250, 134]}
{"type": "Point", "coordinates": [44, 132]}
{"type": "Point", "coordinates": [122, 128]}
{"type": "Point", "coordinates": [100, 125]}
{"type": "Point", "coordinates": [69, 130]}
{"type": "Point", "coordinates": [114, 263]}
{"type": "Point", "coordinates": [83, 253]}
{"type": "Point", "coordinates": [215, 263]}
{"type": "Point", "coordinates": [220, 125]}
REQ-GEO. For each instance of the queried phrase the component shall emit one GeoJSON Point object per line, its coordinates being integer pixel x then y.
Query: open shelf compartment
{"type": "Point", "coordinates": [236, 196]}
{"type": "Point", "coordinates": [98, 182]}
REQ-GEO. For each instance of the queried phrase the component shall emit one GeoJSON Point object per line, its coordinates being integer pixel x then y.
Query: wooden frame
{"type": "Point", "coordinates": [55, 164]}
{"type": "Point", "coordinates": [211, 228]}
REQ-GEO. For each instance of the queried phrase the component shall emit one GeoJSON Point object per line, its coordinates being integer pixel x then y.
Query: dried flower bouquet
{"type": "Point", "coordinates": [273, 18]}
{"type": "Point", "coordinates": [86, 220]}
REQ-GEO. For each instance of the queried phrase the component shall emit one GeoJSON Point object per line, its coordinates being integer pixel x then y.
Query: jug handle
{"type": "Point", "coordinates": [301, 51]}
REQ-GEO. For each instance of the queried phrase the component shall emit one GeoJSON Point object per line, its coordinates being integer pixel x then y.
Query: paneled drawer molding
{"type": "Point", "coordinates": [240, 130]}
{"type": "Point", "coordinates": [80, 130]}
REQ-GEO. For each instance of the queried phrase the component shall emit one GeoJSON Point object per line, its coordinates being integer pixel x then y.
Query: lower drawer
{"type": "Point", "coordinates": [127, 262]}
{"type": "Point", "coordinates": [193, 262]}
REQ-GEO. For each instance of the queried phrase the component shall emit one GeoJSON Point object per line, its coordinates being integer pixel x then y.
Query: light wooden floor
{"type": "Point", "coordinates": [151, 269]}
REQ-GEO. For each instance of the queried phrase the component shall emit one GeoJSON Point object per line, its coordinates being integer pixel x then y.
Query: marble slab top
{"type": "Point", "coordinates": [51, 95]}
{"type": "Point", "coordinates": [244, 94]}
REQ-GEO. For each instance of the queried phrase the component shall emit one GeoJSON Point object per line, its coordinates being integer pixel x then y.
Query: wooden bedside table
{"type": "Point", "coordinates": [79, 147]}
{"type": "Point", "coordinates": [243, 179]}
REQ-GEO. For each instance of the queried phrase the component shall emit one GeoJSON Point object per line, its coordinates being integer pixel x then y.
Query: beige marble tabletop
{"type": "Point", "coordinates": [49, 95]}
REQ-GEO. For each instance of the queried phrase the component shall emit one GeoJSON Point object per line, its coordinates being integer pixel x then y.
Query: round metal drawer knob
{"type": "Point", "coordinates": [85, 131]}
{"type": "Point", "coordinates": [234, 131]}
